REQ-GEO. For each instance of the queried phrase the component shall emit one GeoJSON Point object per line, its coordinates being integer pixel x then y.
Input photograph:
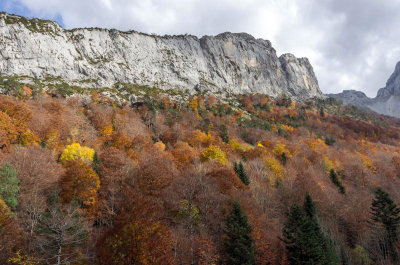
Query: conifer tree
{"type": "Point", "coordinates": [239, 244]}
{"type": "Point", "coordinates": [309, 206]}
{"type": "Point", "coordinates": [386, 217]}
{"type": "Point", "coordinates": [335, 180]}
{"type": "Point", "coordinates": [224, 133]}
{"type": "Point", "coordinates": [9, 185]}
{"type": "Point", "coordinates": [284, 158]}
{"type": "Point", "coordinates": [305, 242]}
{"type": "Point", "coordinates": [241, 173]}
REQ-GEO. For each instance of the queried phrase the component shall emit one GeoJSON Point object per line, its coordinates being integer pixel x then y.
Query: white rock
{"type": "Point", "coordinates": [228, 63]}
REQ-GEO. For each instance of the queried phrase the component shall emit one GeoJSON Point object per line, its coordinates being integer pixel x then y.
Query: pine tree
{"type": "Point", "coordinates": [239, 245]}
{"type": "Point", "coordinates": [284, 158]}
{"type": "Point", "coordinates": [309, 206]}
{"type": "Point", "coordinates": [224, 133]}
{"type": "Point", "coordinates": [386, 215]}
{"type": "Point", "coordinates": [305, 242]}
{"type": "Point", "coordinates": [241, 173]}
{"type": "Point", "coordinates": [96, 159]}
{"type": "Point", "coordinates": [322, 112]}
{"type": "Point", "coordinates": [335, 180]}
{"type": "Point", "coordinates": [9, 185]}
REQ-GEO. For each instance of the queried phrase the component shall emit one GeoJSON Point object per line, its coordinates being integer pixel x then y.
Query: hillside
{"type": "Point", "coordinates": [127, 148]}
{"type": "Point", "coordinates": [154, 183]}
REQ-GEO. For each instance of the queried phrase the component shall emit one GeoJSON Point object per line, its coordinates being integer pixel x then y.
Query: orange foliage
{"type": "Point", "coordinates": [80, 182]}
{"type": "Point", "coordinates": [183, 154]}
{"type": "Point", "coordinates": [18, 111]}
{"type": "Point", "coordinates": [226, 179]}
{"type": "Point", "coordinates": [199, 138]}
{"type": "Point", "coordinates": [13, 132]}
{"type": "Point", "coordinates": [138, 237]}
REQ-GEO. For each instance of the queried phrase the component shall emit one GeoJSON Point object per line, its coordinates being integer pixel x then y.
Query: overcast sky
{"type": "Point", "coordinates": [352, 44]}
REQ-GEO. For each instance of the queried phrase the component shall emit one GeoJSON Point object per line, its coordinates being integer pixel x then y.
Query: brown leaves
{"type": "Point", "coordinates": [138, 236]}
{"type": "Point", "coordinates": [80, 182]}
{"type": "Point", "coordinates": [226, 179]}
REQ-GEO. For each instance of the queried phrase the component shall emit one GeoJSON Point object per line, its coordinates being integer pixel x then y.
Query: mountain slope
{"type": "Point", "coordinates": [233, 63]}
{"type": "Point", "coordinates": [386, 102]}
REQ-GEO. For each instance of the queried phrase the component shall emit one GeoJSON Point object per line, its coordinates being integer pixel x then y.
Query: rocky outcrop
{"type": "Point", "coordinates": [232, 63]}
{"type": "Point", "coordinates": [386, 102]}
{"type": "Point", "coordinates": [352, 97]}
{"type": "Point", "coordinates": [392, 87]}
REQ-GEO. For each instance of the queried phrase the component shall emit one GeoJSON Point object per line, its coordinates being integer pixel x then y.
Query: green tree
{"type": "Point", "coordinates": [239, 244]}
{"type": "Point", "coordinates": [335, 180]}
{"type": "Point", "coordinates": [241, 173]}
{"type": "Point", "coordinates": [224, 133]}
{"type": "Point", "coordinates": [284, 158]}
{"type": "Point", "coordinates": [309, 207]}
{"type": "Point", "coordinates": [305, 242]}
{"type": "Point", "coordinates": [9, 185]}
{"type": "Point", "coordinates": [322, 112]}
{"type": "Point", "coordinates": [385, 221]}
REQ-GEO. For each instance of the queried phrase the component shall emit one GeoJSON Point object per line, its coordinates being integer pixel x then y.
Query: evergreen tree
{"type": "Point", "coordinates": [309, 206]}
{"type": "Point", "coordinates": [284, 158]}
{"type": "Point", "coordinates": [9, 185]}
{"type": "Point", "coordinates": [241, 173]}
{"type": "Point", "coordinates": [96, 159]}
{"type": "Point", "coordinates": [305, 242]}
{"type": "Point", "coordinates": [322, 112]}
{"type": "Point", "coordinates": [224, 133]}
{"type": "Point", "coordinates": [239, 245]}
{"type": "Point", "coordinates": [386, 215]}
{"type": "Point", "coordinates": [335, 180]}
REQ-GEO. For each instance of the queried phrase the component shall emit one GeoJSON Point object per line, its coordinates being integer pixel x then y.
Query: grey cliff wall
{"type": "Point", "coordinates": [235, 63]}
{"type": "Point", "coordinates": [386, 102]}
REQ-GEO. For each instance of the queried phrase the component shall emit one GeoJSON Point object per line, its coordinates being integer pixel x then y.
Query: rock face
{"type": "Point", "coordinates": [386, 102]}
{"type": "Point", "coordinates": [352, 97]}
{"type": "Point", "coordinates": [234, 63]}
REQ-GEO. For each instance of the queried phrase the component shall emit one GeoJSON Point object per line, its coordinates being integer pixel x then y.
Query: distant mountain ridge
{"type": "Point", "coordinates": [92, 57]}
{"type": "Point", "coordinates": [387, 100]}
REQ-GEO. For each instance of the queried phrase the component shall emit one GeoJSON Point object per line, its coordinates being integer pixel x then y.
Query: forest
{"type": "Point", "coordinates": [86, 179]}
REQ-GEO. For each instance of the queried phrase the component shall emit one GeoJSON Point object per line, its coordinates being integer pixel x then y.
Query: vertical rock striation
{"type": "Point", "coordinates": [232, 63]}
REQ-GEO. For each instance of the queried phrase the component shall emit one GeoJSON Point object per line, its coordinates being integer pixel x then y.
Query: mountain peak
{"type": "Point", "coordinates": [386, 102]}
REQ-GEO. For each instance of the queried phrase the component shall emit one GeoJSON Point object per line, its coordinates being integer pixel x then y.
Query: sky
{"type": "Point", "coordinates": [352, 44]}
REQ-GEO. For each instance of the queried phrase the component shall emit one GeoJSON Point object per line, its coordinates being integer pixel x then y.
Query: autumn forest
{"type": "Point", "coordinates": [87, 179]}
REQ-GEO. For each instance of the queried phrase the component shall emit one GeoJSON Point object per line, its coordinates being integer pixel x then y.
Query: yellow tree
{"type": "Point", "coordinates": [75, 151]}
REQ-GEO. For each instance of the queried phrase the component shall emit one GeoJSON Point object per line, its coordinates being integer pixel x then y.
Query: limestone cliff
{"type": "Point", "coordinates": [92, 57]}
{"type": "Point", "coordinates": [386, 102]}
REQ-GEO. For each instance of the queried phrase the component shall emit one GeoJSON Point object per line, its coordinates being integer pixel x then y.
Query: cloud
{"type": "Point", "coordinates": [352, 44]}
